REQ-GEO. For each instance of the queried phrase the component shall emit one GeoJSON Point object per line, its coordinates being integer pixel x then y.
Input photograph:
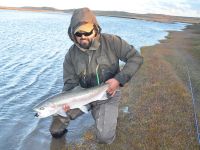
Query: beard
{"type": "Point", "coordinates": [85, 43]}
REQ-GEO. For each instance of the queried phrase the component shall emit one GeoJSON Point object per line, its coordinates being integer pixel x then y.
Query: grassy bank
{"type": "Point", "coordinates": [160, 106]}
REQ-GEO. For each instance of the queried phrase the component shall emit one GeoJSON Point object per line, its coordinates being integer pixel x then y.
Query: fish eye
{"type": "Point", "coordinates": [41, 108]}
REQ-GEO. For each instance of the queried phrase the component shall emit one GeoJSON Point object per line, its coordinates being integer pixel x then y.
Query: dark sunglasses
{"type": "Point", "coordinates": [79, 34]}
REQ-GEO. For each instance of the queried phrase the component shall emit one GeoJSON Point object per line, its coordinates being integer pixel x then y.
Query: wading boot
{"type": "Point", "coordinates": [58, 126]}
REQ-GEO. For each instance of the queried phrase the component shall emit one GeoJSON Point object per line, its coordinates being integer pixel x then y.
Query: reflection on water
{"type": "Point", "coordinates": [32, 50]}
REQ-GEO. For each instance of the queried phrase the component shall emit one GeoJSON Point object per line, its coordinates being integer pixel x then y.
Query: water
{"type": "Point", "coordinates": [32, 49]}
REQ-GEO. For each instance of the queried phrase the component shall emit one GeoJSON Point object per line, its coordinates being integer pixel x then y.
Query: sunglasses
{"type": "Point", "coordinates": [79, 34]}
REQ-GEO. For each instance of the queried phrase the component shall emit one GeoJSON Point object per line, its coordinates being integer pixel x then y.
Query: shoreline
{"type": "Point", "coordinates": [168, 80]}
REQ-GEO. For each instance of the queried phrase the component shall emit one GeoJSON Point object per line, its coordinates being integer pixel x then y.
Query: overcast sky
{"type": "Point", "coordinates": [172, 7]}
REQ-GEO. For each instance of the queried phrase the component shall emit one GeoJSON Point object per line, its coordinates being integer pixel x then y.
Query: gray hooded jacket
{"type": "Point", "coordinates": [89, 67]}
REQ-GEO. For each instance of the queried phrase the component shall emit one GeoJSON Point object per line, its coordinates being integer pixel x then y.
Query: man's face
{"type": "Point", "coordinates": [84, 39]}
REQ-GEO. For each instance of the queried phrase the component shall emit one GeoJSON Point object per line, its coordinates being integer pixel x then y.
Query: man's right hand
{"type": "Point", "coordinates": [113, 86]}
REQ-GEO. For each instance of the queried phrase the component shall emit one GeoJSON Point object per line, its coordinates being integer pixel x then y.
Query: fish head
{"type": "Point", "coordinates": [45, 110]}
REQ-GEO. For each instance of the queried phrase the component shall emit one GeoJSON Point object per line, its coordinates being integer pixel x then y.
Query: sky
{"type": "Point", "coordinates": [188, 8]}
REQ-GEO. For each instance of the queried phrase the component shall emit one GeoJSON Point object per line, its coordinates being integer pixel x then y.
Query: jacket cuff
{"type": "Point", "coordinates": [123, 79]}
{"type": "Point", "coordinates": [68, 87]}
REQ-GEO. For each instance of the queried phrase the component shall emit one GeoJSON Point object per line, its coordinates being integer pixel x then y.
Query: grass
{"type": "Point", "coordinates": [195, 42]}
{"type": "Point", "coordinates": [160, 107]}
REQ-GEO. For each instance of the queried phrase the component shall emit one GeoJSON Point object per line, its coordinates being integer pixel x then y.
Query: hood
{"type": "Point", "coordinates": [79, 17]}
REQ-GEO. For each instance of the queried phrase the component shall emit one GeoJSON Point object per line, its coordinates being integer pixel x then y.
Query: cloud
{"type": "Point", "coordinates": [188, 8]}
{"type": "Point", "coordinates": [178, 7]}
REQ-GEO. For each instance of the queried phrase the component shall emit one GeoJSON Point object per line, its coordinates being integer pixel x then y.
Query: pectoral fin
{"type": "Point", "coordinates": [105, 96]}
{"type": "Point", "coordinates": [84, 109]}
{"type": "Point", "coordinates": [61, 112]}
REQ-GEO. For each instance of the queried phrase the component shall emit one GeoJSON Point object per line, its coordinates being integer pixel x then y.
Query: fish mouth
{"type": "Point", "coordinates": [36, 115]}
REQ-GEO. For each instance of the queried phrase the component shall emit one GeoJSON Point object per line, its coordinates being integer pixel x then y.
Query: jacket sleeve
{"type": "Point", "coordinates": [70, 78]}
{"type": "Point", "coordinates": [128, 54]}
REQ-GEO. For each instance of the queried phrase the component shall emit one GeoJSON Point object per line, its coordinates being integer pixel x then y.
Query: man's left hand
{"type": "Point", "coordinates": [66, 107]}
{"type": "Point", "coordinates": [113, 86]}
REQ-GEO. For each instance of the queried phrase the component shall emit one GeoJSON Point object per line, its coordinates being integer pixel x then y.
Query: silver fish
{"type": "Point", "coordinates": [76, 98]}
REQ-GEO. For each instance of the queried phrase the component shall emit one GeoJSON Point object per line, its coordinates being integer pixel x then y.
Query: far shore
{"type": "Point", "coordinates": [121, 14]}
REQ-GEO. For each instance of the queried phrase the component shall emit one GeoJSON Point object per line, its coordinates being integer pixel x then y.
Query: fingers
{"type": "Point", "coordinates": [66, 107]}
{"type": "Point", "coordinates": [110, 92]}
{"type": "Point", "coordinates": [113, 93]}
{"type": "Point", "coordinates": [113, 86]}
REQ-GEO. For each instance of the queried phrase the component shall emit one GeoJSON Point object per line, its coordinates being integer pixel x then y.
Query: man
{"type": "Point", "coordinates": [94, 59]}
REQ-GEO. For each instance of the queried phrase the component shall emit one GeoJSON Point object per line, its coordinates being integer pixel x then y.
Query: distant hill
{"type": "Point", "coordinates": [148, 17]}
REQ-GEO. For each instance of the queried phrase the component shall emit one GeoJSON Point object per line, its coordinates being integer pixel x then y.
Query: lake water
{"type": "Point", "coordinates": [32, 49]}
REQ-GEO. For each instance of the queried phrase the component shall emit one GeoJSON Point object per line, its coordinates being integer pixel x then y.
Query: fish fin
{"type": "Point", "coordinates": [84, 109]}
{"type": "Point", "coordinates": [61, 112]}
{"type": "Point", "coordinates": [105, 96]}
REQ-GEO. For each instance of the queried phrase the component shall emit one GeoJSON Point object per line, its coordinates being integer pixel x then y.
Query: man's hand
{"type": "Point", "coordinates": [113, 86]}
{"type": "Point", "coordinates": [66, 107]}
